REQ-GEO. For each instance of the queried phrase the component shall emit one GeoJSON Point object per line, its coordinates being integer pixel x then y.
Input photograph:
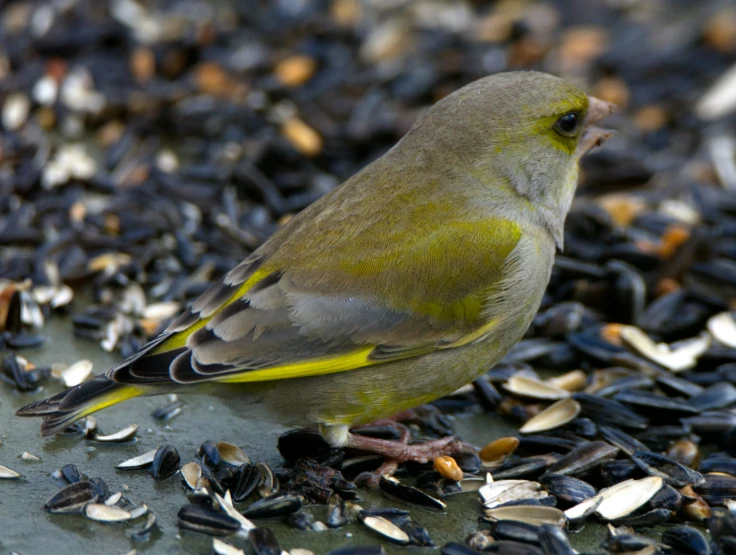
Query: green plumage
{"type": "Point", "coordinates": [409, 280]}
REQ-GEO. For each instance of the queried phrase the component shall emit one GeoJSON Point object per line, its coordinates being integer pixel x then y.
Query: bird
{"type": "Point", "coordinates": [411, 279]}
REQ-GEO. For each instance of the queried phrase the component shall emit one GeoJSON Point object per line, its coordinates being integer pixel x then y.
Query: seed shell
{"type": "Point", "coordinates": [555, 416]}
{"type": "Point", "coordinates": [106, 513]}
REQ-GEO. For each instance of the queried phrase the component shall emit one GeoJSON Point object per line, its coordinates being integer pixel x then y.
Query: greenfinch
{"type": "Point", "coordinates": [411, 279]}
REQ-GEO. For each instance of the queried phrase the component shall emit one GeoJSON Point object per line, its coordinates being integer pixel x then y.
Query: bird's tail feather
{"type": "Point", "coordinates": [66, 407]}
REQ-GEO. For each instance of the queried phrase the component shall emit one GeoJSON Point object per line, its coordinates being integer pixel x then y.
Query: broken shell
{"type": "Point", "coordinates": [627, 499]}
{"type": "Point", "coordinates": [232, 454]}
{"type": "Point", "coordinates": [269, 483]}
{"type": "Point", "coordinates": [491, 490]}
{"type": "Point", "coordinates": [7, 474]}
{"type": "Point", "coordinates": [118, 437]}
{"type": "Point", "coordinates": [139, 511]}
{"type": "Point", "coordinates": [75, 374]}
{"type": "Point", "coordinates": [143, 533]}
{"type": "Point", "coordinates": [191, 472]}
{"type": "Point", "coordinates": [222, 548]}
{"type": "Point", "coordinates": [72, 498]}
{"type": "Point", "coordinates": [141, 461]}
{"type": "Point", "coordinates": [161, 311]}
{"type": "Point", "coordinates": [534, 515]}
{"type": "Point", "coordinates": [106, 513]}
{"type": "Point", "coordinates": [534, 388]}
{"type": "Point", "coordinates": [723, 329]}
{"type": "Point", "coordinates": [226, 504]}
{"type": "Point", "coordinates": [387, 529]}
{"type": "Point", "coordinates": [570, 381]}
{"type": "Point", "coordinates": [524, 491]}
{"type": "Point", "coordinates": [558, 414]}
{"type": "Point", "coordinates": [114, 498]}
{"type": "Point", "coordinates": [26, 456]}
{"type": "Point", "coordinates": [677, 360]}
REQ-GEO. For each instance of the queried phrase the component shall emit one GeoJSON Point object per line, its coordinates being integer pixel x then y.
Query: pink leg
{"type": "Point", "coordinates": [396, 452]}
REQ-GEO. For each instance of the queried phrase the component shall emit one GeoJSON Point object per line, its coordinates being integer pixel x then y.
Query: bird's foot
{"type": "Point", "coordinates": [399, 451]}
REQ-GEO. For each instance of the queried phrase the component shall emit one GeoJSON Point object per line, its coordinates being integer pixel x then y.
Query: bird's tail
{"type": "Point", "coordinates": [66, 407]}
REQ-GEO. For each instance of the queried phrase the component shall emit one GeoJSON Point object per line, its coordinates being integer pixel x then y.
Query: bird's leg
{"type": "Point", "coordinates": [399, 451]}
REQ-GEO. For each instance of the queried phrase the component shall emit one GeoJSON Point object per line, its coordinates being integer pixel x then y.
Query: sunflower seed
{"type": "Point", "coordinates": [72, 498]}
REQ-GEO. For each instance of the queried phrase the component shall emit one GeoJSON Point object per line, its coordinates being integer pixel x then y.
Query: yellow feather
{"type": "Point", "coordinates": [325, 365]}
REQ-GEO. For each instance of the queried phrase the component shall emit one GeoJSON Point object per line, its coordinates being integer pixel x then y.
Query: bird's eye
{"type": "Point", "coordinates": [568, 124]}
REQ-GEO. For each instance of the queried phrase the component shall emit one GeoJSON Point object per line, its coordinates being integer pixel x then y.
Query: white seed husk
{"type": "Point", "coordinates": [683, 357]}
{"type": "Point", "coordinates": [106, 513]}
{"type": "Point", "coordinates": [232, 454]}
{"type": "Point", "coordinates": [627, 499]}
{"type": "Point", "coordinates": [493, 489]}
{"type": "Point", "coordinates": [62, 296]}
{"type": "Point", "coordinates": [7, 474]}
{"type": "Point", "coordinates": [75, 374]}
{"type": "Point", "coordinates": [222, 548]}
{"type": "Point", "coordinates": [123, 435]}
{"type": "Point", "coordinates": [162, 310]}
{"type": "Point", "coordinates": [138, 511]}
{"type": "Point", "coordinates": [386, 528]}
{"type": "Point", "coordinates": [531, 514]}
{"type": "Point", "coordinates": [226, 504]}
{"type": "Point", "coordinates": [141, 461]}
{"type": "Point", "coordinates": [554, 416]}
{"type": "Point", "coordinates": [526, 490]}
{"type": "Point", "coordinates": [528, 386]}
{"type": "Point", "coordinates": [723, 329]}
{"type": "Point", "coordinates": [191, 472]}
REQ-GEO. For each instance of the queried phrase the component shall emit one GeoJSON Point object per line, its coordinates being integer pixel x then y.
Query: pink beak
{"type": "Point", "coordinates": [595, 136]}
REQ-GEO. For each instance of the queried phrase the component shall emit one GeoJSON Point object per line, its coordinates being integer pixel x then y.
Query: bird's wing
{"type": "Point", "coordinates": [282, 314]}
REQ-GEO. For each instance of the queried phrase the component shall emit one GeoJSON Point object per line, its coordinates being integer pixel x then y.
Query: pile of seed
{"type": "Point", "coordinates": [147, 149]}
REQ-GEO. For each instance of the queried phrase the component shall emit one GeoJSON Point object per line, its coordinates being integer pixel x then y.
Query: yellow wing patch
{"type": "Point", "coordinates": [325, 365]}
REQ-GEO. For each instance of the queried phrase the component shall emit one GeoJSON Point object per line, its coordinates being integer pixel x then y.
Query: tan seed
{"type": "Point", "coordinates": [499, 448]}
{"type": "Point", "coordinates": [302, 137]}
{"type": "Point", "coordinates": [570, 381]}
{"type": "Point", "coordinates": [448, 468]}
{"type": "Point", "coordinates": [295, 70]}
{"type": "Point", "coordinates": [143, 64]}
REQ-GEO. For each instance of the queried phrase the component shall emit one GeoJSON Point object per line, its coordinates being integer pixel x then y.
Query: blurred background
{"type": "Point", "coordinates": [179, 134]}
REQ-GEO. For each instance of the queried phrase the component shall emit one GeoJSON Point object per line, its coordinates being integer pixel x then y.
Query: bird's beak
{"type": "Point", "coordinates": [595, 136]}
